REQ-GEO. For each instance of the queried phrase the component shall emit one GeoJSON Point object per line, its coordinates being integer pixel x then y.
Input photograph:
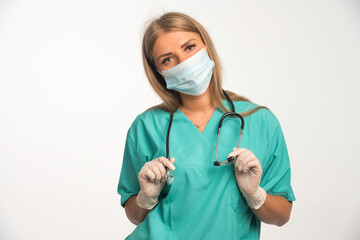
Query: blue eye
{"type": "Point", "coordinates": [166, 60]}
{"type": "Point", "coordinates": [190, 47]}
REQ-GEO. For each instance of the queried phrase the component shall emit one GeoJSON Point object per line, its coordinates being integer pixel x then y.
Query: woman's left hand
{"type": "Point", "coordinates": [248, 173]}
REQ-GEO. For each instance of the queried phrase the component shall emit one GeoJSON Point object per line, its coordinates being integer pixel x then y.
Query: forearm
{"type": "Point", "coordinates": [275, 210]}
{"type": "Point", "coordinates": [134, 212]}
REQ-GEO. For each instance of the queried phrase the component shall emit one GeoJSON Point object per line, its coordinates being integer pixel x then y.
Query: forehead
{"type": "Point", "coordinates": [169, 41]}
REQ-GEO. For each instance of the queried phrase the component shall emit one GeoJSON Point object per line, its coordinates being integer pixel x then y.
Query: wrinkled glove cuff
{"type": "Point", "coordinates": [257, 199]}
{"type": "Point", "coordinates": [146, 202]}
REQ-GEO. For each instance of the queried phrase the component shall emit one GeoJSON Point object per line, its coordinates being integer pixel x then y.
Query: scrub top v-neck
{"type": "Point", "coordinates": [203, 201]}
{"type": "Point", "coordinates": [178, 111]}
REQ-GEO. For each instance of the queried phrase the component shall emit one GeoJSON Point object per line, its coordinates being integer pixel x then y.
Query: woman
{"type": "Point", "coordinates": [204, 201]}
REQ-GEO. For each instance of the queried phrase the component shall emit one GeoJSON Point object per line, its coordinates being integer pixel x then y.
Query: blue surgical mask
{"type": "Point", "coordinates": [191, 76]}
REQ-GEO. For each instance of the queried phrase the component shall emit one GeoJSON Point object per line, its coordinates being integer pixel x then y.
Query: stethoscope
{"type": "Point", "coordinates": [170, 173]}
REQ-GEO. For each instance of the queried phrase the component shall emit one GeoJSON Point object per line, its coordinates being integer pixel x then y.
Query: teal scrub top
{"type": "Point", "coordinates": [204, 201]}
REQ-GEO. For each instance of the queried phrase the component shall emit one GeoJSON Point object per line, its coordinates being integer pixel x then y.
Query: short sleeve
{"type": "Point", "coordinates": [131, 165]}
{"type": "Point", "coordinates": [276, 179]}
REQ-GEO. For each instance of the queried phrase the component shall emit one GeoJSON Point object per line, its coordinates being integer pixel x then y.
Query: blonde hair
{"type": "Point", "coordinates": [171, 22]}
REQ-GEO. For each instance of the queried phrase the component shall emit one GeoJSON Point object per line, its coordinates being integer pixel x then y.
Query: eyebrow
{"type": "Point", "coordinates": [187, 42]}
{"type": "Point", "coordinates": [182, 46]}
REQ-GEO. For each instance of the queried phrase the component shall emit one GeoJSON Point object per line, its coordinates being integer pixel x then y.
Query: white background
{"type": "Point", "coordinates": [72, 82]}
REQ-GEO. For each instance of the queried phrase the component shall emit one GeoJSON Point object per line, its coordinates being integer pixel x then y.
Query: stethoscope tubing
{"type": "Point", "coordinates": [230, 159]}
{"type": "Point", "coordinates": [170, 173]}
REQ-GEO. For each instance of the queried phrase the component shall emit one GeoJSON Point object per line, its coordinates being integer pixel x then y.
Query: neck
{"type": "Point", "coordinates": [202, 103]}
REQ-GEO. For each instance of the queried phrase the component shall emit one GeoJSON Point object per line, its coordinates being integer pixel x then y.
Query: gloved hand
{"type": "Point", "coordinates": [248, 176]}
{"type": "Point", "coordinates": [152, 177]}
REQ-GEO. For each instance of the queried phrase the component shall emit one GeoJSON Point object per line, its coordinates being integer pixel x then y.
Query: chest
{"type": "Point", "coordinates": [189, 146]}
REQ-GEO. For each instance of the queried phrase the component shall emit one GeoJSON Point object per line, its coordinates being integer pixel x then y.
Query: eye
{"type": "Point", "coordinates": [166, 60]}
{"type": "Point", "coordinates": [190, 47]}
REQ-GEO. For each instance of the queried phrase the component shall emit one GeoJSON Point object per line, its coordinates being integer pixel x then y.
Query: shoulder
{"type": "Point", "coordinates": [263, 116]}
{"type": "Point", "coordinates": [155, 113]}
{"type": "Point", "coordinates": [149, 119]}
{"type": "Point", "coordinates": [147, 131]}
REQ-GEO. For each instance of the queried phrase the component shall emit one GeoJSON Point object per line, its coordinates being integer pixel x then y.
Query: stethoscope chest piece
{"type": "Point", "coordinates": [170, 176]}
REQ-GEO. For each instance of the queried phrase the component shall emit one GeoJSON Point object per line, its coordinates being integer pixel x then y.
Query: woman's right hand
{"type": "Point", "coordinates": [152, 178]}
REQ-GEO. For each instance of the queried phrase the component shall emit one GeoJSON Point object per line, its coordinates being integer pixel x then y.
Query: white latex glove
{"type": "Point", "coordinates": [248, 176]}
{"type": "Point", "coordinates": [152, 178]}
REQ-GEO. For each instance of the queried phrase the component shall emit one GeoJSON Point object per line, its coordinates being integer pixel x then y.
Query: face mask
{"type": "Point", "coordinates": [191, 76]}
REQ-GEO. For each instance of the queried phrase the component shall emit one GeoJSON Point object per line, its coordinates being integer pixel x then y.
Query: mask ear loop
{"type": "Point", "coordinates": [158, 71]}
